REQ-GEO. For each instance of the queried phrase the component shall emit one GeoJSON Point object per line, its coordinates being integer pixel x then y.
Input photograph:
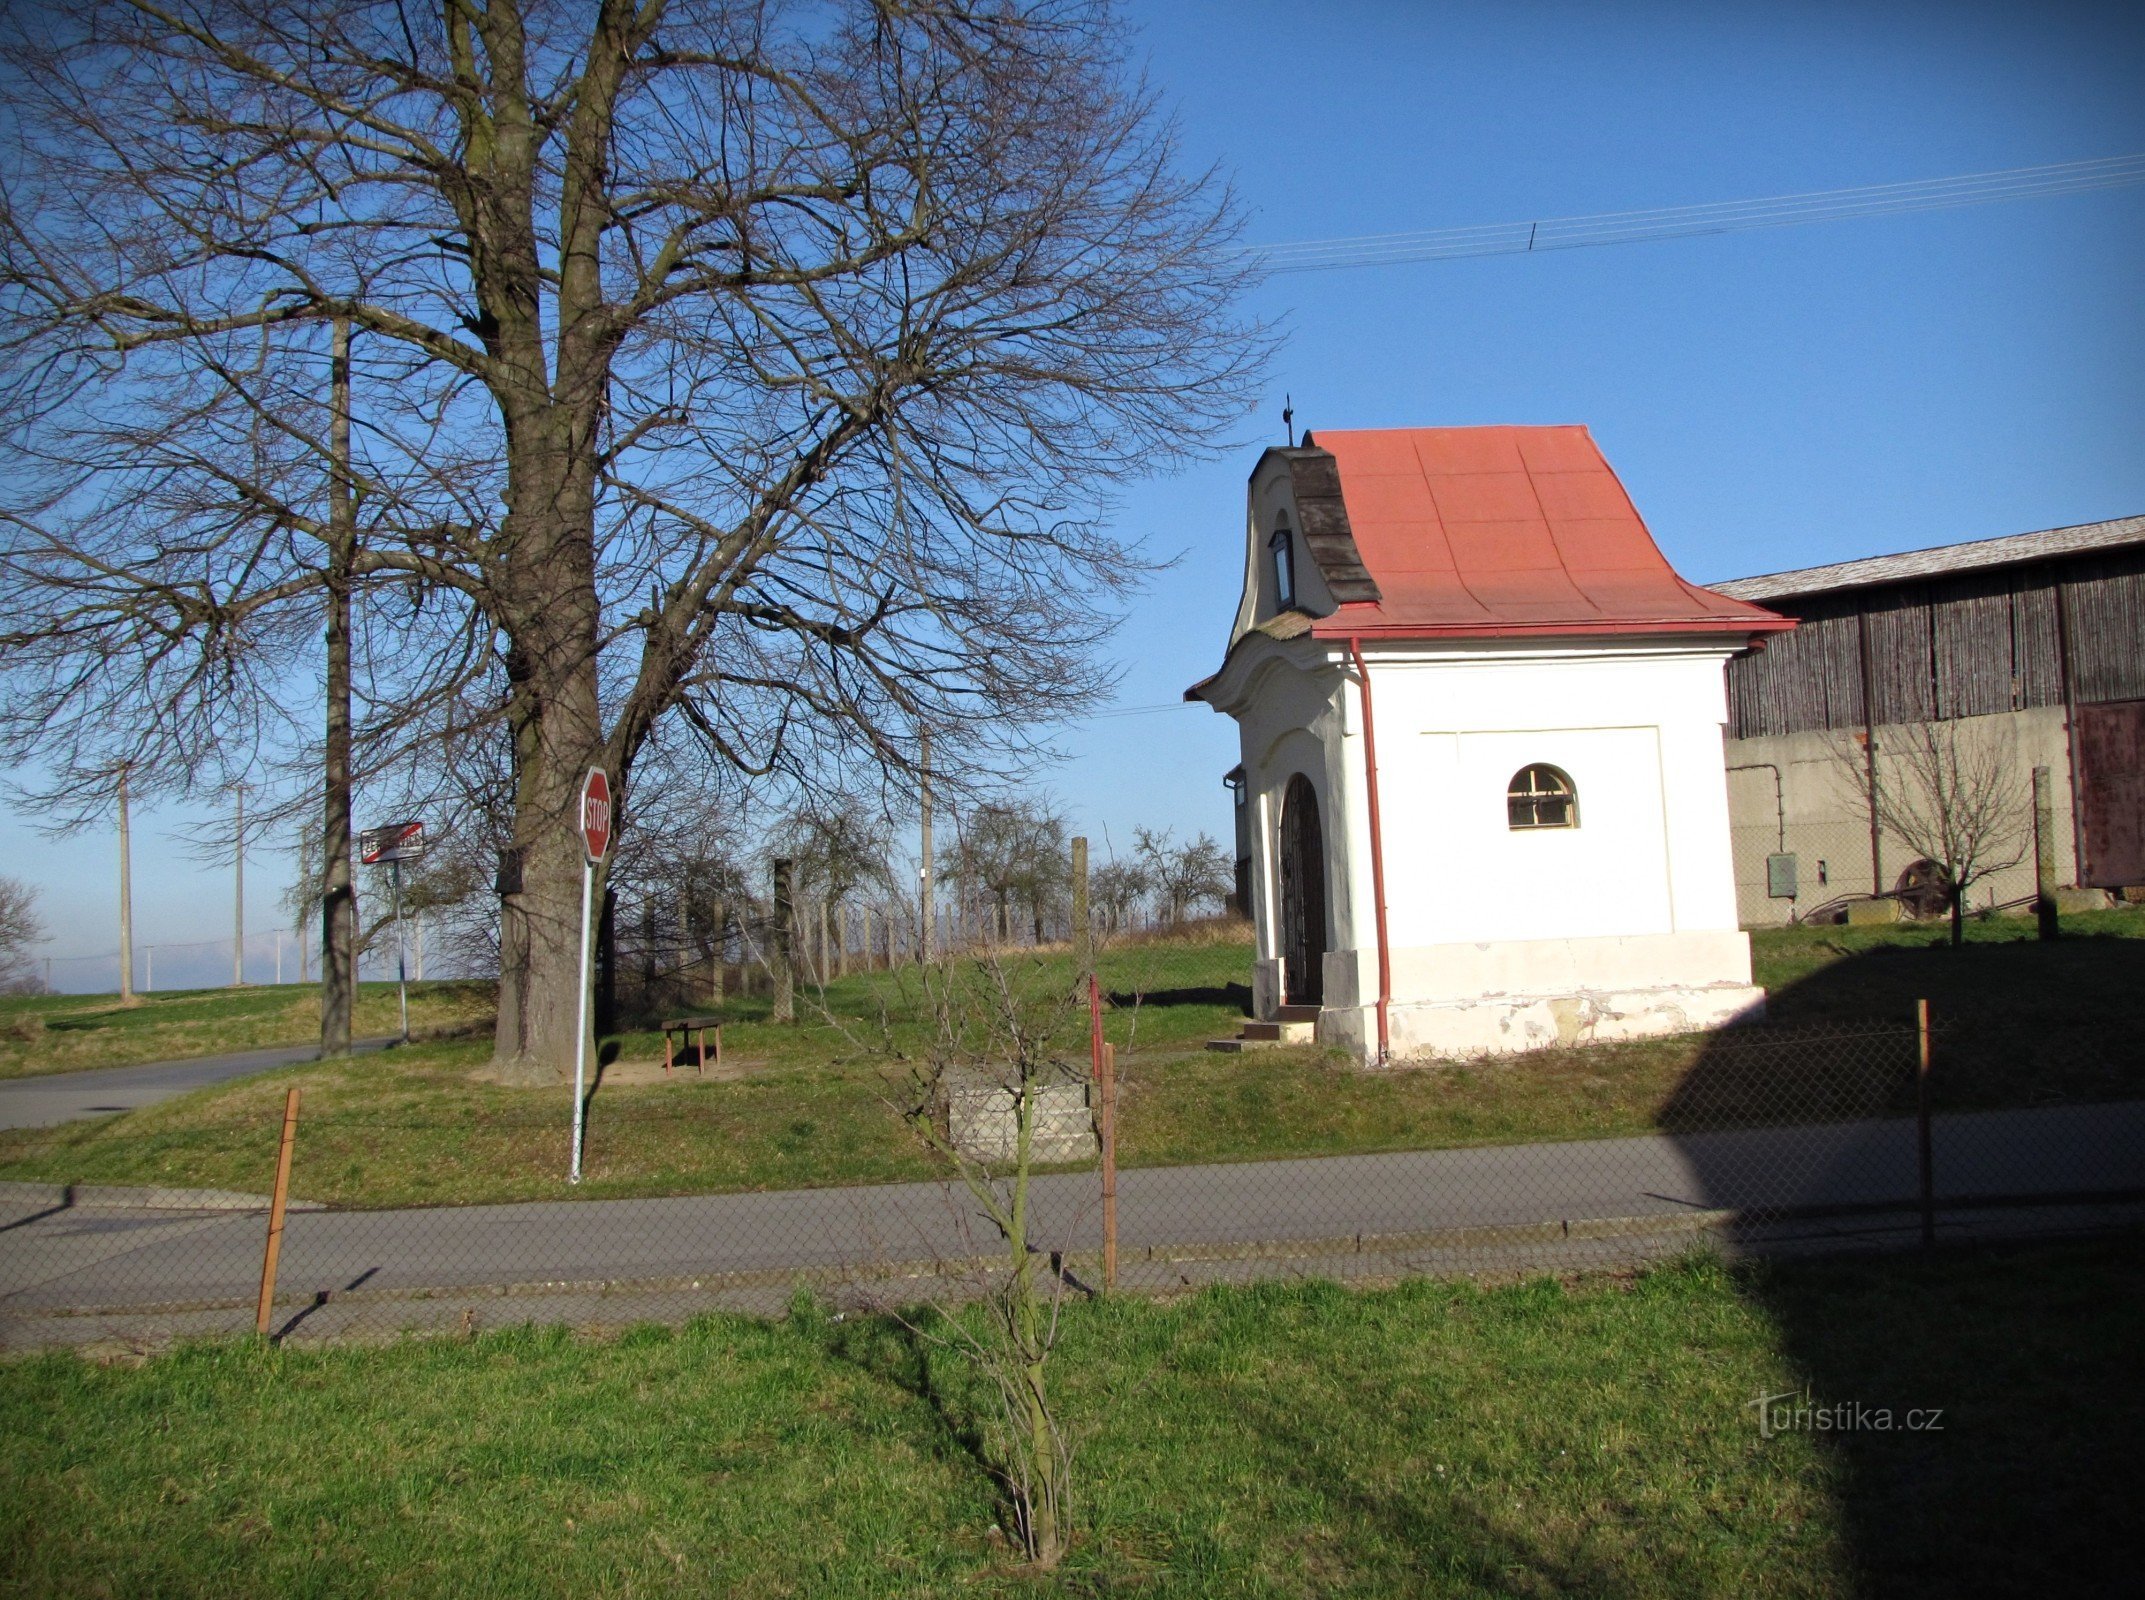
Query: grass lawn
{"type": "Point", "coordinates": [70, 1032]}
{"type": "Point", "coordinates": [1430, 1439]}
{"type": "Point", "coordinates": [819, 1102]}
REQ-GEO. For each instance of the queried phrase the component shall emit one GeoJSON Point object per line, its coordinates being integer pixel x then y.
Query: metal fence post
{"type": "Point", "coordinates": [274, 1252]}
{"type": "Point", "coordinates": [1924, 1160]}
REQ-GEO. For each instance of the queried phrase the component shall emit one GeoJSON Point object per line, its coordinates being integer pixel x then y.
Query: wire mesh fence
{"type": "Point", "coordinates": [1790, 1135]}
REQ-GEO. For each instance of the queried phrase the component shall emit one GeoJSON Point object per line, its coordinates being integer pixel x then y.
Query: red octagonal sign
{"type": "Point", "coordinates": [596, 813]}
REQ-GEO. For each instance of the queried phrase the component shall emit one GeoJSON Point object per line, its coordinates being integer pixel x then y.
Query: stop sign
{"type": "Point", "coordinates": [596, 813]}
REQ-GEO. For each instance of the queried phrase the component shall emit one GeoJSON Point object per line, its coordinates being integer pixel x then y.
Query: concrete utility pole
{"type": "Point", "coordinates": [784, 952]}
{"type": "Point", "coordinates": [126, 898]}
{"type": "Point", "coordinates": [923, 872]}
{"type": "Point", "coordinates": [238, 897]}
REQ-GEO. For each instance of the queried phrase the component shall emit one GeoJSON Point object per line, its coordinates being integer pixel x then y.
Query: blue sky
{"type": "Point", "coordinates": [1771, 399]}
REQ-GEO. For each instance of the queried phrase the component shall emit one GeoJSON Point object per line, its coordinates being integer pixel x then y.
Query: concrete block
{"type": "Point", "coordinates": [983, 1117]}
{"type": "Point", "coordinates": [2082, 900]}
{"type": "Point", "coordinates": [1864, 913]}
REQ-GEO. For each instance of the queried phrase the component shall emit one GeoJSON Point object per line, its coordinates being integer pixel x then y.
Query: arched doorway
{"type": "Point", "coordinates": [1303, 896]}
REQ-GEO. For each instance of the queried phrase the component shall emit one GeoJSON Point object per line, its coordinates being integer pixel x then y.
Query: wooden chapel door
{"type": "Point", "coordinates": [1303, 896]}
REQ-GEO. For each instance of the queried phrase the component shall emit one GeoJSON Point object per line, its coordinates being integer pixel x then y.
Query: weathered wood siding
{"type": "Point", "coordinates": [1971, 645]}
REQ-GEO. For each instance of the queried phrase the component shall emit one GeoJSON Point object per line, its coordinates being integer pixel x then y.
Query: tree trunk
{"type": "Point", "coordinates": [1958, 915]}
{"type": "Point", "coordinates": [548, 608]}
{"type": "Point", "coordinates": [338, 900]}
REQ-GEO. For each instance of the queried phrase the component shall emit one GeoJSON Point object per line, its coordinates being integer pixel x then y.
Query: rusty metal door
{"type": "Point", "coordinates": [2111, 792]}
{"type": "Point", "coordinates": [1303, 896]}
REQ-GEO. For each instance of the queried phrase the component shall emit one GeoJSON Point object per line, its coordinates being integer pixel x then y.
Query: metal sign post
{"type": "Point", "coordinates": [594, 821]}
{"type": "Point", "coordinates": [402, 950]}
{"type": "Point", "coordinates": [390, 846]}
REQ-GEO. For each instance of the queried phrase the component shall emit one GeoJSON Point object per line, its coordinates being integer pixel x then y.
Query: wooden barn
{"type": "Point", "coordinates": [2035, 642]}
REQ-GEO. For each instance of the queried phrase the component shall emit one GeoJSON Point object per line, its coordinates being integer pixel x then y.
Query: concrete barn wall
{"type": "Point", "coordinates": [1821, 811]}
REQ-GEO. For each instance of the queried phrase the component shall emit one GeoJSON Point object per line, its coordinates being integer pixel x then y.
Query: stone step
{"type": "Point", "coordinates": [1288, 1031]}
{"type": "Point", "coordinates": [1295, 1025]}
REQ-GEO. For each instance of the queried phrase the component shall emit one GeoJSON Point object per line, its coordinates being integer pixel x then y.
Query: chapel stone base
{"type": "Point", "coordinates": [1503, 997]}
{"type": "Point", "coordinates": [1508, 1024]}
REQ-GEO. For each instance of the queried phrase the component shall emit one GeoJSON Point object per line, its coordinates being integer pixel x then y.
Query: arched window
{"type": "Point", "coordinates": [1541, 796]}
{"type": "Point", "coordinates": [1284, 549]}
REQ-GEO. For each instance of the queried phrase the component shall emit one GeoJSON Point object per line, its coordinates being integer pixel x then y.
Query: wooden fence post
{"type": "Point", "coordinates": [1104, 1057]}
{"type": "Point", "coordinates": [276, 1201]}
{"type": "Point", "coordinates": [1924, 1157]}
{"type": "Point", "coordinates": [2044, 855]}
{"type": "Point", "coordinates": [1109, 1166]}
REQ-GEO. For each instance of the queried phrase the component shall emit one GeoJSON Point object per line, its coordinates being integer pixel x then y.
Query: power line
{"type": "Point", "coordinates": [1130, 711]}
{"type": "Point", "coordinates": [1723, 216]}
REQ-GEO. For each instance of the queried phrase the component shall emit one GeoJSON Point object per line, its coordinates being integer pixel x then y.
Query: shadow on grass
{"type": "Point", "coordinates": [2037, 1099]}
{"type": "Point", "coordinates": [1237, 995]}
{"type": "Point", "coordinates": [2025, 1476]}
{"type": "Point", "coordinates": [894, 1350]}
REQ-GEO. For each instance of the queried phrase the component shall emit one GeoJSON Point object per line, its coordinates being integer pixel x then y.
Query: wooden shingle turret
{"type": "Point", "coordinates": [1315, 478]}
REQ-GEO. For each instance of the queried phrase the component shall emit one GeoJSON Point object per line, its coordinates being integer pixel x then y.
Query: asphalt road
{"type": "Point", "coordinates": [52, 1098]}
{"type": "Point", "coordinates": [56, 1256]}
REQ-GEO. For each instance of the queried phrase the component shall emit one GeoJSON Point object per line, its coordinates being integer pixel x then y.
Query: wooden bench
{"type": "Point", "coordinates": [685, 1028]}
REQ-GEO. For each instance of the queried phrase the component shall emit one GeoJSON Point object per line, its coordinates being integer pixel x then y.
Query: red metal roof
{"type": "Point", "coordinates": [1490, 532]}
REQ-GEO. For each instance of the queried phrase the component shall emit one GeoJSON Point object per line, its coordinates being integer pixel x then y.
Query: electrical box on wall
{"type": "Point", "coordinates": [1780, 876]}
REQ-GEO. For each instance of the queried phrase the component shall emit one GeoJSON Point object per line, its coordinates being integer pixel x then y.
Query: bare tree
{"type": "Point", "coordinates": [20, 929]}
{"type": "Point", "coordinates": [1115, 888]}
{"type": "Point", "coordinates": [1955, 796]}
{"type": "Point", "coordinates": [1011, 850]}
{"type": "Point", "coordinates": [760, 365]}
{"type": "Point", "coordinates": [839, 846]}
{"type": "Point", "coordinates": [1184, 876]}
{"type": "Point", "coordinates": [1005, 1045]}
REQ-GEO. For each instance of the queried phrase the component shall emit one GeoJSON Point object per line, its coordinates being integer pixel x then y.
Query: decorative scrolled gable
{"type": "Point", "coordinates": [1315, 482]}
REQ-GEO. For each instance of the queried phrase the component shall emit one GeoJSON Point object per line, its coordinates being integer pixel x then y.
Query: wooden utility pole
{"type": "Point", "coordinates": [126, 899]}
{"type": "Point", "coordinates": [338, 901]}
{"type": "Point", "coordinates": [923, 874]}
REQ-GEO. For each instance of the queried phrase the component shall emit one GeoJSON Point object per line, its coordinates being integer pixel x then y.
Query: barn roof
{"type": "Point", "coordinates": [1942, 560]}
{"type": "Point", "coordinates": [1491, 533]}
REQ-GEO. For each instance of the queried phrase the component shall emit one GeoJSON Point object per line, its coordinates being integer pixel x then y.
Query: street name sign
{"type": "Point", "coordinates": [396, 841]}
